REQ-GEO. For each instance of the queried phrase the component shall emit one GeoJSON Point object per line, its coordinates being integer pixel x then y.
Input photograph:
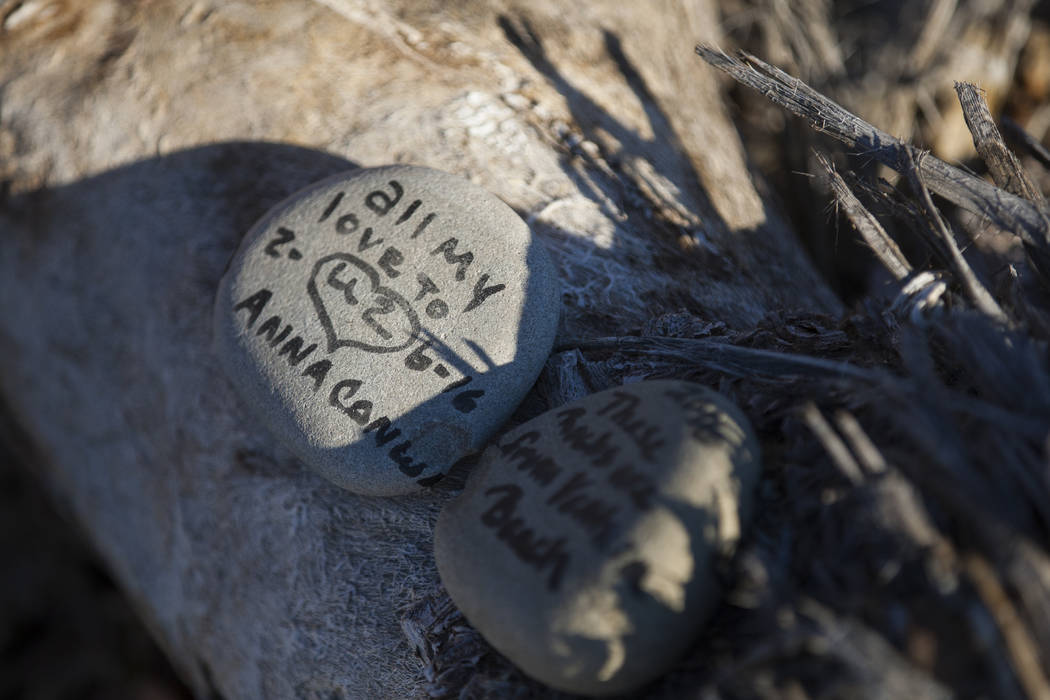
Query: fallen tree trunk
{"type": "Point", "coordinates": [139, 142]}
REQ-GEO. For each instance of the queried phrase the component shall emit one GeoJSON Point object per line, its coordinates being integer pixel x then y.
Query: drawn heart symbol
{"type": "Point", "coordinates": [355, 310]}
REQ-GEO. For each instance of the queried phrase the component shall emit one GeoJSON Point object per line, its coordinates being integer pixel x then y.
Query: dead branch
{"type": "Point", "coordinates": [975, 291]}
{"type": "Point", "coordinates": [1003, 165]}
{"type": "Point", "coordinates": [1007, 211]}
{"type": "Point", "coordinates": [880, 242]}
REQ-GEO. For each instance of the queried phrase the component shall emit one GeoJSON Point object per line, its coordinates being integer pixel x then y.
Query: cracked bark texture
{"type": "Point", "coordinates": [139, 141]}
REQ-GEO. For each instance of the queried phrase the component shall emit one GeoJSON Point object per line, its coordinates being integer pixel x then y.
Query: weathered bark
{"type": "Point", "coordinates": [139, 142]}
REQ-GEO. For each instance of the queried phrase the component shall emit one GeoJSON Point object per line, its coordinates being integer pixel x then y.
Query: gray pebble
{"type": "Point", "coordinates": [384, 322]}
{"type": "Point", "coordinates": [583, 543]}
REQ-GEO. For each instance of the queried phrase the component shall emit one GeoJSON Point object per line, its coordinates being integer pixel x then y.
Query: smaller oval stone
{"type": "Point", "coordinates": [384, 322]}
{"type": "Point", "coordinates": [582, 545]}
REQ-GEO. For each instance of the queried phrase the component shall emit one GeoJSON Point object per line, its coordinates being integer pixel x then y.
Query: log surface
{"type": "Point", "coordinates": [138, 142]}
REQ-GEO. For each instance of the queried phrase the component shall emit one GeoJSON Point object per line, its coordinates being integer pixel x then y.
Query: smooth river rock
{"type": "Point", "coordinates": [383, 323]}
{"type": "Point", "coordinates": [582, 545]}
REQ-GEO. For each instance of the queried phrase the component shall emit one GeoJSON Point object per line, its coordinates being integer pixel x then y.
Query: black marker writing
{"type": "Point", "coordinates": [389, 260]}
{"type": "Point", "coordinates": [595, 516]}
{"type": "Point", "coordinates": [541, 553]}
{"type": "Point", "coordinates": [467, 401]}
{"type": "Point", "coordinates": [284, 235]}
{"type": "Point", "coordinates": [295, 352]}
{"type": "Point", "coordinates": [704, 418]}
{"type": "Point", "coordinates": [481, 292]}
{"type": "Point", "coordinates": [331, 207]}
{"type": "Point", "coordinates": [254, 305]}
{"type": "Point", "coordinates": [621, 411]}
{"type": "Point", "coordinates": [462, 261]}
{"type": "Point", "coordinates": [407, 214]}
{"type": "Point", "coordinates": [426, 286]}
{"type": "Point", "coordinates": [366, 241]}
{"type": "Point", "coordinates": [580, 438]}
{"type": "Point", "coordinates": [347, 224]}
{"type": "Point", "coordinates": [423, 224]}
{"type": "Point", "coordinates": [540, 468]}
{"type": "Point", "coordinates": [637, 485]}
{"type": "Point", "coordinates": [404, 461]}
{"type": "Point", "coordinates": [345, 286]}
{"type": "Point", "coordinates": [271, 328]}
{"type": "Point", "coordinates": [437, 308]}
{"type": "Point", "coordinates": [380, 202]}
{"type": "Point", "coordinates": [361, 411]}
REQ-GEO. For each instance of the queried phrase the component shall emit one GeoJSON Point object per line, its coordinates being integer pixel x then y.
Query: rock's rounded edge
{"type": "Point", "coordinates": [544, 327]}
{"type": "Point", "coordinates": [538, 667]}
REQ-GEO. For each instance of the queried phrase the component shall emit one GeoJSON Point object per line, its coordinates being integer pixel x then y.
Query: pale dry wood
{"type": "Point", "coordinates": [754, 363]}
{"type": "Point", "coordinates": [139, 141]}
{"type": "Point", "coordinates": [761, 365]}
{"type": "Point", "coordinates": [1006, 170]}
{"type": "Point", "coordinates": [833, 444]}
{"type": "Point", "coordinates": [978, 295]}
{"type": "Point", "coordinates": [1003, 165]}
{"type": "Point", "coordinates": [865, 450]}
{"type": "Point", "coordinates": [873, 233]}
{"type": "Point", "coordinates": [1022, 649]}
{"type": "Point", "coordinates": [1009, 212]}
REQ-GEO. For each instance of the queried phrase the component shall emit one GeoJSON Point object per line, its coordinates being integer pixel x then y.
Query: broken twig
{"type": "Point", "coordinates": [1006, 170]}
{"type": "Point", "coordinates": [880, 242]}
{"type": "Point", "coordinates": [1007, 211]}
{"type": "Point", "coordinates": [982, 300]}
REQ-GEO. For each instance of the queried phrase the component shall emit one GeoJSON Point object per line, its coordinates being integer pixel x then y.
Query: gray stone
{"type": "Point", "coordinates": [383, 323]}
{"type": "Point", "coordinates": [582, 545]}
